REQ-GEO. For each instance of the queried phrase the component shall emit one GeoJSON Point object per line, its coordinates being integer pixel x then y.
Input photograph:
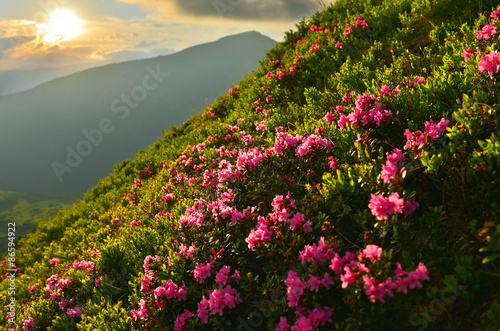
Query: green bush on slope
{"type": "Point", "coordinates": [316, 193]}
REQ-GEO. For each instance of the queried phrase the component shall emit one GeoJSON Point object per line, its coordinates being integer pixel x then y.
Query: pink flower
{"type": "Point", "coordinates": [31, 288]}
{"type": "Point", "coordinates": [180, 321]}
{"type": "Point", "coordinates": [76, 312]}
{"type": "Point", "coordinates": [434, 130]}
{"type": "Point", "coordinates": [348, 31]}
{"type": "Point", "coordinates": [413, 139]}
{"type": "Point", "coordinates": [410, 206]}
{"type": "Point", "coordinates": [295, 221]}
{"type": "Point", "coordinates": [202, 271]}
{"type": "Point", "coordinates": [320, 315]}
{"type": "Point", "coordinates": [395, 157]}
{"type": "Point", "coordinates": [490, 62]}
{"type": "Point", "coordinates": [134, 222]}
{"type": "Point", "coordinates": [29, 323]}
{"type": "Point", "coordinates": [385, 90]}
{"type": "Point", "coordinates": [303, 324]}
{"type": "Point", "coordinates": [222, 276]}
{"type": "Point", "coordinates": [467, 54]}
{"type": "Point", "coordinates": [380, 206]}
{"type": "Point", "coordinates": [332, 163]}
{"type": "Point", "coordinates": [397, 203]}
{"type": "Point", "coordinates": [389, 172]}
{"type": "Point", "coordinates": [486, 32]}
{"type": "Point", "coordinates": [494, 14]}
{"type": "Point", "coordinates": [313, 283]}
{"type": "Point", "coordinates": [339, 44]}
{"type": "Point", "coordinates": [314, 47]}
{"type": "Point", "coordinates": [261, 126]}
{"type": "Point", "coordinates": [202, 311]}
{"type": "Point", "coordinates": [142, 313]}
{"type": "Point", "coordinates": [307, 227]}
{"type": "Point", "coordinates": [373, 252]}
{"type": "Point", "coordinates": [329, 117]}
{"type": "Point", "coordinates": [54, 260]}
{"type": "Point", "coordinates": [283, 324]}
{"type": "Point", "coordinates": [359, 22]}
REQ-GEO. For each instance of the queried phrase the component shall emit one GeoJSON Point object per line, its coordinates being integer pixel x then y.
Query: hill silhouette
{"type": "Point", "coordinates": [49, 134]}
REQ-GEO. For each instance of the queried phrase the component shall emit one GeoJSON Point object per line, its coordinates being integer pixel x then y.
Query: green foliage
{"type": "Point", "coordinates": [295, 139]}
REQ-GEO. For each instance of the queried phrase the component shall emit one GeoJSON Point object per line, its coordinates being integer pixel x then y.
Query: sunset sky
{"type": "Point", "coordinates": [55, 33]}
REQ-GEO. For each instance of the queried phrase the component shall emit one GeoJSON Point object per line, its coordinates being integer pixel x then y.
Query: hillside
{"type": "Point", "coordinates": [350, 182]}
{"type": "Point", "coordinates": [66, 134]}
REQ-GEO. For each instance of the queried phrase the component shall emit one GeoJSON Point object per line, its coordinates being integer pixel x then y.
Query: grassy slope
{"type": "Point", "coordinates": [454, 178]}
{"type": "Point", "coordinates": [26, 210]}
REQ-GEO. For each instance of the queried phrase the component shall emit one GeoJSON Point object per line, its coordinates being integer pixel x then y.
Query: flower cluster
{"type": "Point", "coordinates": [382, 207]}
{"type": "Point", "coordinates": [368, 109]}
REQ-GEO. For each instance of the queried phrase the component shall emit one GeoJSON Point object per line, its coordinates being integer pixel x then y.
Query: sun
{"type": "Point", "coordinates": [63, 26]}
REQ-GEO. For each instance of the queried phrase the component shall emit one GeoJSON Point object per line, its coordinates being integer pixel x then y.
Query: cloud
{"type": "Point", "coordinates": [262, 10]}
{"type": "Point", "coordinates": [12, 42]}
{"type": "Point", "coordinates": [144, 44]}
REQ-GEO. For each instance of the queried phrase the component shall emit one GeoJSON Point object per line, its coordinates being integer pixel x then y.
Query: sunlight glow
{"type": "Point", "coordinates": [63, 26]}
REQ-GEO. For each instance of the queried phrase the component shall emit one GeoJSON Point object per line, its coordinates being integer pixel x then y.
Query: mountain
{"type": "Point", "coordinates": [19, 80]}
{"type": "Point", "coordinates": [350, 182]}
{"type": "Point", "coordinates": [67, 133]}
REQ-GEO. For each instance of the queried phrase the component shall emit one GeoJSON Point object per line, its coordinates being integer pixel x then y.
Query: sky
{"type": "Point", "coordinates": [56, 33]}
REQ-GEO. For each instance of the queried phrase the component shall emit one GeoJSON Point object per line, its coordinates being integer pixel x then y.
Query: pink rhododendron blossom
{"type": "Point", "coordinates": [332, 163]}
{"type": "Point", "coordinates": [320, 316]}
{"type": "Point", "coordinates": [203, 311]}
{"type": "Point", "coordinates": [329, 117]}
{"type": "Point", "coordinates": [283, 325]}
{"type": "Point", "coordinates": [468, 53]}
{"type": "Point", "coordinates": [313, 283]}
{"type": "Point", "coordinates": [486, 32]}
{"type": "Point", "coordinates": [339, 44]}
{"type": "Point", "coordinates": [419, 80]}
{"type": "Point", "coordinates": [383, 207]}
{"type": "Point", "coordinates": [203, 271]}
{"type": "Point", "coordinates": [395, 157]}
{"type": "Point", "coordinates": [490, 62]}
{"type": "Point", "coordinates": [373, 252]}
{"type": "Point", "coordinates": [413, 139]}
{"type": "Point", "coordinates": [261, 126]}
{"type": "Point", "coordinates": [222, 275]}
{"type": "Point", "coordinates": [284, 141]}
{"type": "Point", "coordinates": [262, 234]}
{"type": "Point", "coordinates": [385, 90]}
{"type": "Point", "coordinates": [495, 14]}
{"type": "Point", "coordinates": [312, 142]}
{"type": "Point", "coordinates": [295, 288]}
{"type": "Point", "coordinates": [295, 221]}
{"type": "Point", "coordinates": [180, 321]}
{"type": "Point", "coordinates": [434, 130]}
{"type": "Point", "coordinates": [348, 31]}
{"type": "Point", "coordinates": [54, 261]}
{"type": "Point", "coordinates": [76, 312]}
{"type": "Point", "coordinates": [142, 313]}
{"type": "Point", "coordinates": [360, 23]}
{"type": "Point", "coordinates": [389, 172]}
{"type": "Point", "coordinates": [134, 223]}
{"type": "Point", "coordinates": [149, 259]}
{"type": "Point", "coordinates": [28, 324]}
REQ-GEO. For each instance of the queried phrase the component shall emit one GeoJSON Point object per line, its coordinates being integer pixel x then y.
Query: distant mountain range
{"type": "Point", "coordinates": [66, 134]}
{"type": "Point", "coordinates": [19, 80]}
